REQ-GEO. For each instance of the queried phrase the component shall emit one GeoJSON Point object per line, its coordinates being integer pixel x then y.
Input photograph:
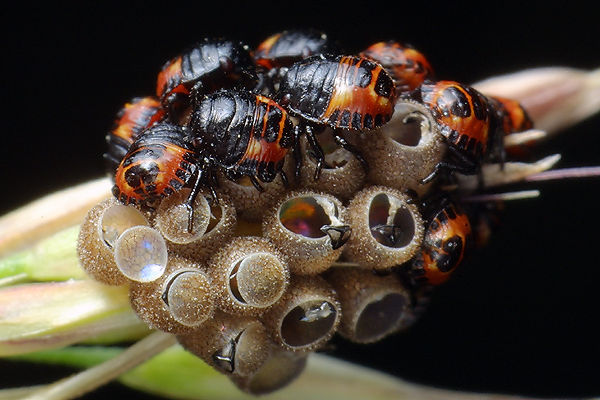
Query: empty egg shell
{"type": "Point", "coordinates": [182, 299]}
{"type": "Point", "coordinates": [116, 219]}
{"type": "Point", "coordinates": [172, 217]}
{"type": "Point", "coordinates": [280, 369]}
{"type": "Point", "coordinates": [341, 176]}
{"type": "Point", "coordinates": [189, 296]}
{"type": "Point", "coordinates": [250, 202]}
{"type": "Point", "coordinates": [306, 316]}
{"type": "Point", "coordinates": [220, 229]}
{"type": "Point", "coordinates": [234, 345]}
{"type": "Point", "coordinates": [374, 306]}
{"type": "Point", "coordinates": [405, 150]}
{"type": "Point", "coordinates": [387, 229]}
{"type": "Point", "coordinates": [309, 229]}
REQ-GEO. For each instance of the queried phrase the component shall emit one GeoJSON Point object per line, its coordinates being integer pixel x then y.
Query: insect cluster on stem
{"type": "Point", "coordinates": [257, 192]}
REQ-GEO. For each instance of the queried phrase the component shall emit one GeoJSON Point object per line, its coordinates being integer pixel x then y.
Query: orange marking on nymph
{"type": "Point", "coordinates": [458, 226]}
{"type": "Point", "coordinates": [133, 115]}
{"type": "Point", "coordinates": [258, 148]}
{"type": "Point", "coordinates": [517, 119]}
{"type": "Point", "coordinates": [168, 164]}
{"type": "Point", "coordinates": [263, 50]}
{"type": "Point", "coordinates": [470, 126]}
{"type": "Point", "coordinates": [397, 59]}
{"type": "Point", "coordinates": [168, 74]}
{"type": "Point", "coordinates": [353, 98]}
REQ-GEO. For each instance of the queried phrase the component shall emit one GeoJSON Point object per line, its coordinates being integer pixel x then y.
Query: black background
{"type": "Point", "coordinates": [520, 316]}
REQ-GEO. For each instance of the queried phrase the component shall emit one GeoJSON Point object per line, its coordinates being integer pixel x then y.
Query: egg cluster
{"type": "Point", "coordinates": [254, 276]}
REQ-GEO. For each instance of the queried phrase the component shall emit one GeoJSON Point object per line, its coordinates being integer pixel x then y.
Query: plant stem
{"type": "Point", "coordinates": [52, 259]}
{"type": "Point", "coordinates": [103, 373]}
{"type": "Point", "coordinates": [176, 374]}
{"type": "Point", "coordinates": [38, 316]}
{"type": "Point", "coordinates": [24, 226]}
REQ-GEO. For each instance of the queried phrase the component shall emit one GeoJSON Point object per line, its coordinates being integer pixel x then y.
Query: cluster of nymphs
{"type": "Point", "coordinates": [266, 199]}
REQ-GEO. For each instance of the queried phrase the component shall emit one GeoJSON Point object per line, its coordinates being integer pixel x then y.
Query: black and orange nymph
{"type": "Point", "coordinates": [243, 133]}
{"type": "Point", "coordinates": [446, 241]}
{"type": "Point", "coordinates": [209, 65]}
{"type": "Point", "coordinates": [238, 132]}
{"type": "Point", "coordinates": [408, 67]}
{"type": "Point", "coordinates": [160, 161]}
{"type": "Point", "coordinates": [135, 116]}
{"type": "Point", "coordinates": [462, 115]}
{"type": "Point", "coordinates": [341, 92]}
{"type": "Point", "coordinates": [274, 55]}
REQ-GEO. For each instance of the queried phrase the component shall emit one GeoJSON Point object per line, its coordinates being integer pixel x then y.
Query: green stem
{"type": "Point", "coordinates": [100, 374]}
{"type": "Point", "coordinates": [176, 374]}
{"type": "Point", "coordinates": [51, 259]}
{"type": "Point", "coordinates": [38, 316]}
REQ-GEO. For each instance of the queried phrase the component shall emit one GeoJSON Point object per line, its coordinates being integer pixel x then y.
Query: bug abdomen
{"type": "Point", "coordinates": [218, 63]}
{"type": "Point", "coordinates": [343, 92]}
{"type": "Point", "coordinates": [269, 141]}
{"type": "Point", "coordinates": [407, 66]}
{"type": "Point", "coordinates": [131, 120]}
{"type": "Point", "coordinates": [462, 114]}
{"type": "Point", "coordinates": [446, 239]}
{"type": "Point", "coordinates": [246, 133]}
{"type": "Point", "coordinates": [284, 48]}
{"type": "Point", "coordinates": [308, 85]}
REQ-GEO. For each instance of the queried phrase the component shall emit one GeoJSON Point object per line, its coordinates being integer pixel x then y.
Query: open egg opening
{"type": "Point", "coordinates": [308, 322]}
{"type": "Point", "coordinates": [387, 229]}
{"type": "Point", "coordinates": [116, 219]}
{"type": "Point", "coordinates": [390, 222]}
{"type": "Point", "coordinates": [173, 217]}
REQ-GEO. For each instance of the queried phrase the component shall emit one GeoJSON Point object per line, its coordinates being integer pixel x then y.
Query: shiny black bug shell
{"type": "Point", "coordinates": [348, 92]}
{"type": "Point", "coordinates": [242, 132]}
{"type": "Point", "coordinates": [287, 47]}
{"type": "Point", "coordinates": [209, 65]}
{"type": "Point", "coordinates": [161, 161]}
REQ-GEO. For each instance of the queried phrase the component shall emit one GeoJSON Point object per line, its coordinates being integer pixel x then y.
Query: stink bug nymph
{"type": "Point", "coordinates": [135, 116]}
{"type": "Point", "coordinates": [407, 66]}
{"type": "Point", "coordinates": [446, 240]}
{"type": "Point", "coordinates": [160, 162]}
{"type": "Point", "coordinates": [209, 65]}
{"type": "Point", "coordinates": [346, 92]}
{"type": "Point", "coordinates": [461, 113]}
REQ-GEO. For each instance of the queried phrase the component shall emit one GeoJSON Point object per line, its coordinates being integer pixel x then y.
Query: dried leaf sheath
{"type": "Point", "coordinates": [50, 214]}
{"type": "Point", "coordinates": [40, 316]}
{"type": "Point", "coordinates": [555, 97]}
